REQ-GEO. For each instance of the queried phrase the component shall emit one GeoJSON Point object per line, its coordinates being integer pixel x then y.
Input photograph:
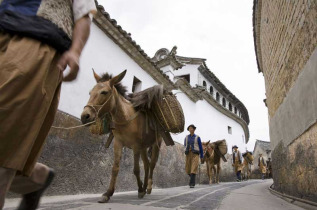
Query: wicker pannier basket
{"type": "Point", "coordinates": [170, 114]}
{"type": "Point", "coordinates": [222, 146]}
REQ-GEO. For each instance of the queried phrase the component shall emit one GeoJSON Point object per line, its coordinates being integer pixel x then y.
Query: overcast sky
{"type": "Point", "coordinates": [218, 30]}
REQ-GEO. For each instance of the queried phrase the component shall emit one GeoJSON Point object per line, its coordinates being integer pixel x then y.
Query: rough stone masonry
{"type": "Point", "coordinates": [285, 35]}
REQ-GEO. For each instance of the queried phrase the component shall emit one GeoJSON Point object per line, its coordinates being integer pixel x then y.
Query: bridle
{"type": "Point", "coordinates": [96, 110]}
{"type": "Point", "coordinates": [95, 107]}
{"type": "Point", "coordinates": [207, 152]}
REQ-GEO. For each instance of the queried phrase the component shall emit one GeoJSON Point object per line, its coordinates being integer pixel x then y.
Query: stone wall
{"type": "Point", "coordinates": [295, 166]}
{"type": "Point", "coordinates": [83, 164]}
{"type": "Point", "coordinates": [286, 49]}
{"type": "Point", "coordinates": [287, 38]}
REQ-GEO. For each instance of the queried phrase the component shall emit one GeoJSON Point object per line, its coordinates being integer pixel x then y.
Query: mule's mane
{"type": "Point", "coordinates": [122, 90]}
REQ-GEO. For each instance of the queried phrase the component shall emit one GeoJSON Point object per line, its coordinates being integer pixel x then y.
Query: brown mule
{"type": "Point", "coordinates": [246, 165]}
{"type": "Point", "coordinates": [108, 96]}
{"type": "Point", "coordinates": [212, 159]}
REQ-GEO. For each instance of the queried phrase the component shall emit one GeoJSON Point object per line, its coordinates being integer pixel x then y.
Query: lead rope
{"type": "Point", "coordinates": [88, 105]}
{"type": "Point", "coordinates": [73, 127]}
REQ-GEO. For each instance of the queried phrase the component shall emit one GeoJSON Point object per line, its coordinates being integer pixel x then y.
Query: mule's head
{"type": "Point", "coordinates": [249, 157]}
{"type": "Point", "coordinates": [208, 149]}
{"type": "Point", "coordinates": [103, 96]}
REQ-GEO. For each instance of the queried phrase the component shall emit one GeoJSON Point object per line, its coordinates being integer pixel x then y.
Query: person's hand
{"type": "Point", "coordinates": [70, 58]}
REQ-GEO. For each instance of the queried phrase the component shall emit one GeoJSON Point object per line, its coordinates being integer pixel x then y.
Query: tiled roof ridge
{"type": "Point", "coordinates": [127, 35]}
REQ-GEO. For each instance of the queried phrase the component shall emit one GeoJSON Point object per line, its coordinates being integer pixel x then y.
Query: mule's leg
{"type": "Point", "coordinates": [146, 164]}
{"type": "Point", "coordinates": [117, 148]}
{"type": "Point", "coordinates": [218, 171]}
{"type": "Point", "coordinates": [214, 175]}
{"type": "Point", "coordinates": [208, 172]}
{"type": "Point", "coordinates": [211, 169]}
{"type": "Point", "coordinates": [136, 171]}
{"type": "Point", "coordinates": [154, 158]}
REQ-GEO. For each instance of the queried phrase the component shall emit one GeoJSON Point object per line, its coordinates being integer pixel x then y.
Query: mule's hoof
{"type": "Point", "coordinates": [141, 194]}
{"type": "Point", "coordinates": [148, 191]}
{"type": "Point", "coordinates": [104, 199]}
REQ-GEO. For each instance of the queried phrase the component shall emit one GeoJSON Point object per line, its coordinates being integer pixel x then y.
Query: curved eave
{"type": "Point", "coordinates": [203, 69]}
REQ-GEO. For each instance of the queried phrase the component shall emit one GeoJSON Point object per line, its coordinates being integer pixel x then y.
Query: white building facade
{"type": "Point", "coordinates": [206, 102]}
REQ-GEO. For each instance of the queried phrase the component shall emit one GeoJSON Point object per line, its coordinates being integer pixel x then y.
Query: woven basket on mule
{"type": "Point", "coordinates": [164, 105]}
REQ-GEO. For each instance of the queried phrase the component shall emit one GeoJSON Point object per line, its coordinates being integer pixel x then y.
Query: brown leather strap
{"type": "Point", "coordinates": [109, 140]}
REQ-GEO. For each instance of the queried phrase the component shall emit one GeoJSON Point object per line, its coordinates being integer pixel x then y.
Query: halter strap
{"type": "Point", "coordinates": [118, 123]}
{"type": "Point", "coordinates": [94, 106]}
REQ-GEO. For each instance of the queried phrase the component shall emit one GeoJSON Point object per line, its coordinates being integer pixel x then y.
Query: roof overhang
{"type": "Point", "coordinates": [130, 47]}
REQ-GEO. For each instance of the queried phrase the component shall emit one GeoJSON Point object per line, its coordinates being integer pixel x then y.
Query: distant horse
{"type": "Point", "coordinates": [246, 165]}
{"type": "Point", "coordinates": [212, 154]}
{"type": "Point", "coordinates": [130, 129]}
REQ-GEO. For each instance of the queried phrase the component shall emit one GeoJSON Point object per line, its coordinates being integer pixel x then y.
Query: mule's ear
{"type": "Point", "coordinates": [117, 78]}
{"type": "Point", "coordinates": [97, 77]}
{"type": "Point", "coordinates": [208, 142]}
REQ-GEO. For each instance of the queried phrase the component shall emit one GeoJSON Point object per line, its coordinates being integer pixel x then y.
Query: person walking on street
{"type": "Point", "coordinates": [38, 40]}
{"type": "Point", "coordinates": [193, 150]}
{"type": "Point", "coordinates": [236, 162]}
{"type": "Point", "coordinates": [269, 168]}
{"type": "Point", "coordinates": [262, 166]}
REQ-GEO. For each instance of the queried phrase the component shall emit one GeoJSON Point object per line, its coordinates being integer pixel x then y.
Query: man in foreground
{"type": "Point", "coordinates": [38, 39]}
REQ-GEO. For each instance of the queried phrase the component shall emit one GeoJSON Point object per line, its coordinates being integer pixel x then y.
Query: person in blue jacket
{"type": "Point", "coordinates": [193, 150]}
